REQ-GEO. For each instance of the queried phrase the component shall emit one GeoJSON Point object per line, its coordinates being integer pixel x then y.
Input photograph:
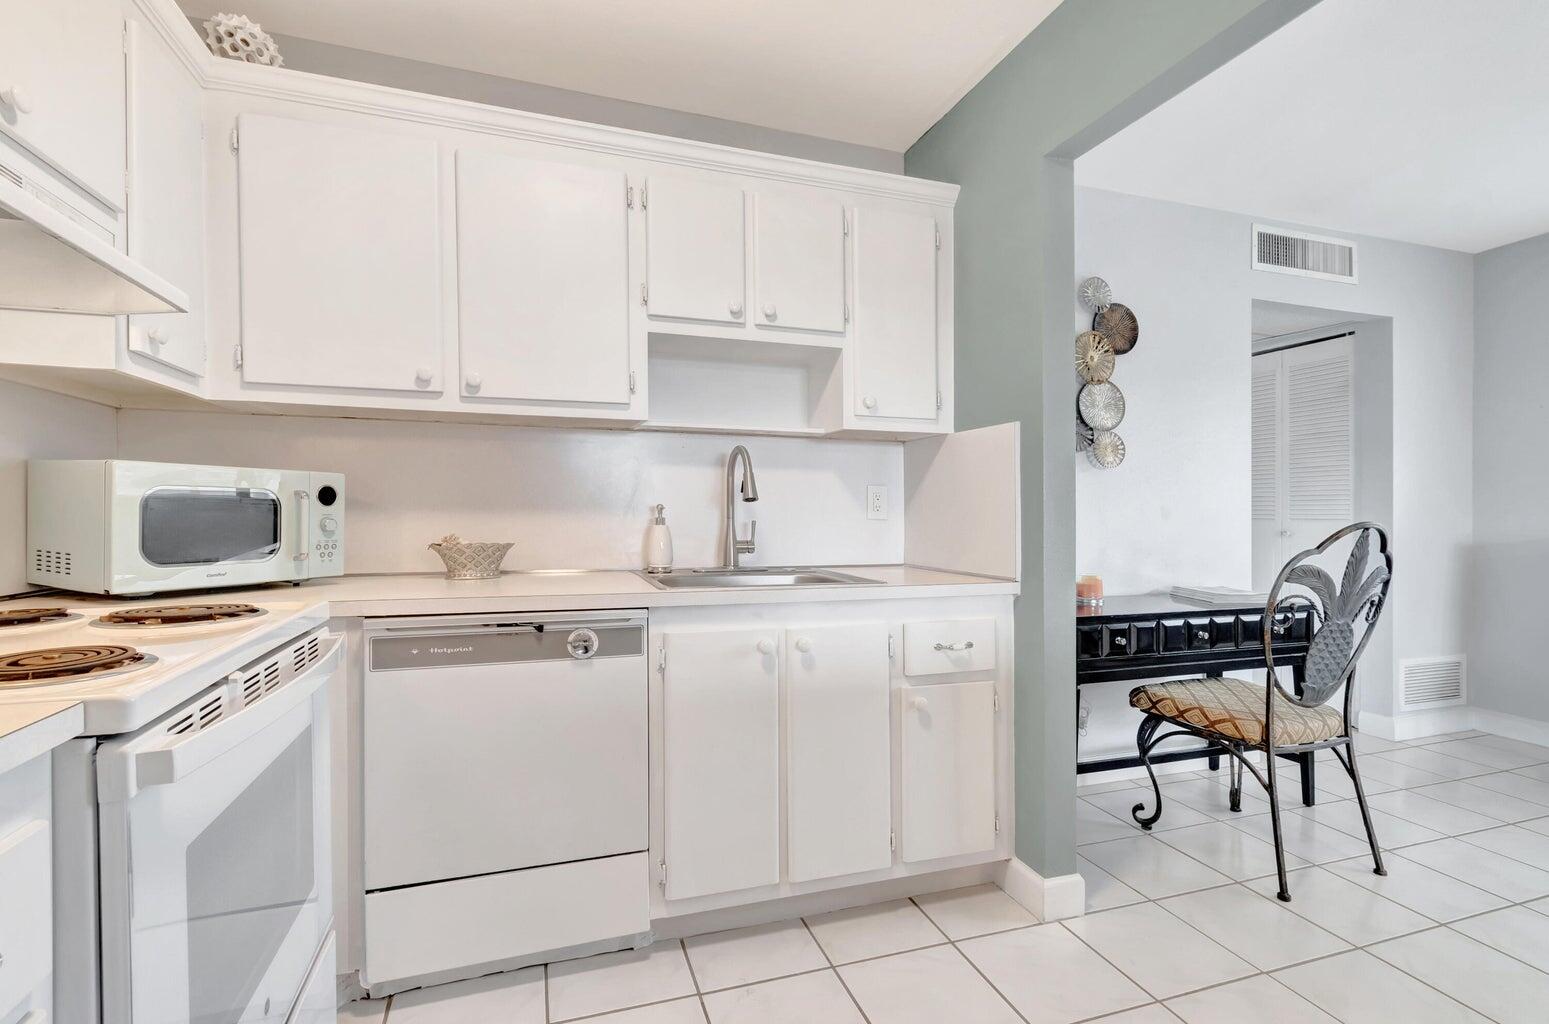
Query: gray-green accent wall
{"type": "Point", "coordinates": [1092, 67]}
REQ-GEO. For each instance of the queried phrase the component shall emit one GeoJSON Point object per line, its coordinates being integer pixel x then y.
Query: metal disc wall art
{"type": "Point", "coordinates": [1118, 324]}
{"type": "Point", "coordinates": [1095, 293]}
{"type": "Point", "coordinates": [1101, 405]}
{"type": "Point", "coordinates": [1084, 435]}
{"type": "Point", "coordinates": [1107, 449]}
{"type": "Point", "coordinates": [1094, 357]}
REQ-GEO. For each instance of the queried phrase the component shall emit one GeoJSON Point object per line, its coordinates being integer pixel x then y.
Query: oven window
{"type": "Point", "coordinates": [204, 525]}
{"type": "Point", "coordinates": [250, 874]}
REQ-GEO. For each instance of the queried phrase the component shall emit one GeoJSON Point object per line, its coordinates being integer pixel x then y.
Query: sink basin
{"type": "Point", "coordinates": [759, 576]}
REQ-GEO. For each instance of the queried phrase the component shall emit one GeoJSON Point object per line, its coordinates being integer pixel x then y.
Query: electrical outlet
{"type": "Point", "coordinates": [876, 502]}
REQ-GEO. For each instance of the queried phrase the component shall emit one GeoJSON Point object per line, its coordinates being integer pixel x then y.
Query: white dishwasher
{"type": "Point", "coordinates": [505, 791]}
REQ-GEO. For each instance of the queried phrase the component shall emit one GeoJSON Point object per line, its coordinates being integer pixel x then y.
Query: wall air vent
{"type": "Point", "coordinates": [1430, 683]}
{"type": "Point", "coordinates": [1282, 251]}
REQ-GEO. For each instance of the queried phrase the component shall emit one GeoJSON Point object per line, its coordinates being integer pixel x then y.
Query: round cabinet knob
{"type": "Point", "coordinates": [735, 309]}
{"type": "Point", "coordinates": [769, 312]}
{"type": "Point", "coordinates": [16, 99]}
{"type": "Point", "coordinates": [423, 377]}
{"type": "Point", "coordinates": [474, 382]}
{"type": "Point", "coordinates": [156, 335]}
{"type": "Point", "coordinates": [804, 645]}
{"type": "Point", "coordinates": [869, 402]}
{"type": "Point", "coordinates": [766, 647]}
{"type": "Point", "coordinates": [328, 524]}
{"type": "Point", "coordinates": [918, 703]}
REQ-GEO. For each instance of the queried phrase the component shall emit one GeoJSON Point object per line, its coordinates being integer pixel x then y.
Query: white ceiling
{"type": "Point", "coordinates": [871, 72]}
{"type": "Point", "coordinates": [1420, 120]}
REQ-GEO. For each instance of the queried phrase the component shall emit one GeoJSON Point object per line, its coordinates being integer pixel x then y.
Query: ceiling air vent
{"type": "Point", "coordinates": [1282, 251]}
{"type": "Point", "coordinates": [1430, 683]}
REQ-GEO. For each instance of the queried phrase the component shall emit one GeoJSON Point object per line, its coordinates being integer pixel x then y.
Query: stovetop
{"type": "Point", "coordinates": [128, 668]}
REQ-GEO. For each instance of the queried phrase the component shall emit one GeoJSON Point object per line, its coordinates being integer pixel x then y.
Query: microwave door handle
{"type": "Point", "coordinates": [303, 525]}
{"type": "Point", "coordinates": [170, 764]}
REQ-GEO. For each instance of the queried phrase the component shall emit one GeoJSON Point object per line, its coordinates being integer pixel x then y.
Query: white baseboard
{"type": "Point", "coordinates": [1514, 727]}
{"type": "Point", "coordinates": [1048, 899]}
{"type": "Point", "coordinates": [1416, 725]}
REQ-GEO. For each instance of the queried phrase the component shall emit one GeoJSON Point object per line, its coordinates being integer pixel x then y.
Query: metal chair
{"type": "Point", "coordinates": [1236, 716]}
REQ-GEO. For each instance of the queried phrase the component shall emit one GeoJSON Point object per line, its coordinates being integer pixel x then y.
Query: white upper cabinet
{"type": "Point", "coordinates": [838, 750]}
{"type": "Point", "coordinates": [895, 332]}
{"type": "Point", "coordinates": [695, 250]}
{"type": "Point", "coordinates": [798, 262]}
{"type": "Point", "coordinates": [166, 182]}
{"type": "Point", "coordinates": [62, 87]}
{"type": "Point", "coordinates": [542, 280]}
{"type": "Point", "coordinates": [340, 256]}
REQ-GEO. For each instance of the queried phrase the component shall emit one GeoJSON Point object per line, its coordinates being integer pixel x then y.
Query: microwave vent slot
{"type": "Point", "coordinates": [56, 563]}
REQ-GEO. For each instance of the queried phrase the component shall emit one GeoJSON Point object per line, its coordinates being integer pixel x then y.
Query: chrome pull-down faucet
{"type": "Point", "coordinates": [730, 543]}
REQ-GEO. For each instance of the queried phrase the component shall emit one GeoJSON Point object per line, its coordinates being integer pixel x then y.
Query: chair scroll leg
{"type": "Point", "coordinates": [1366, 815]}
{"type": "Point", "coordinates": [1234, 794]}
{"type": "Point", "coordinates": [1143, 744]}
{"type": "Point", "coordinates": [1274, 818]}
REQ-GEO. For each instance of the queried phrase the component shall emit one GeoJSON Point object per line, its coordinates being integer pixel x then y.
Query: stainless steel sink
{"type": "Point", "coordinates": [754, 576]}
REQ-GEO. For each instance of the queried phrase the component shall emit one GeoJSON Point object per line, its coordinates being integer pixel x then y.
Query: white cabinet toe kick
{"type": "Point", "coordinates": [537, 788]}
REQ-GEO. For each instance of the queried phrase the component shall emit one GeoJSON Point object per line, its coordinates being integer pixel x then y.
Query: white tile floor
{"type": "Point", "coordinates": [1182, 923]}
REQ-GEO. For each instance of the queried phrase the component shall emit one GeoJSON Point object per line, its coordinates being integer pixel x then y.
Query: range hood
{"type": "Point", "coordinates": [50, 262]}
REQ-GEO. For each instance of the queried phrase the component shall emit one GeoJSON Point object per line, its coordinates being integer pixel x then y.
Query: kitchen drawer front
{"type": "Point", "coordinates": [26, 912]}
{"type": "Point", "coordinates": [948, 646]}
{"type": "Point", "coordinates": [423, 929]}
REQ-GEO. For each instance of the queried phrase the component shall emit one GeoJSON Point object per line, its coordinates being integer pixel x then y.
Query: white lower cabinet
{"type": "Point", "coordinates": [721, 729]}
{"type": "Point", "coordinates": [26, 892]}
{"type": "Point", "coordinates": [948, 769]}
{"type": "Point", "coordinates": [838, 751]}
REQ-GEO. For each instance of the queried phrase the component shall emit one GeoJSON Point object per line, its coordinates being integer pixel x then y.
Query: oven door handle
{"type": "Point", "coordinates": [168, 764]}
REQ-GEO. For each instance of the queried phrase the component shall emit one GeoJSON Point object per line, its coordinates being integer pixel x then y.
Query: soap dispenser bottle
{"type": "Point", "coordinates": [658, 543]}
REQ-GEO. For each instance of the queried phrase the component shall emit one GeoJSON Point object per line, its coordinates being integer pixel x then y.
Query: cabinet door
{"type": "Point", "coordinates": [948, 769]}
{"type": "Point", "coordinates": [838, 751]}
{"type": "Point", "coordinates": [721, 733]}
{"type": "Point", "coordinates": [62, 68]}
{"type": "Point", "coordinates": [798, 262]}
{"type": "Point", "coordinates": [895, 314]}
{"type": "Point", "coordinates": [26, 911]}
{"type": "Point", "coordinates": [341, 256]}
{"type": "Point", "coordinates": [694, 250]}
{"type": "Point", "coordinates": [166, 209]}
{"type": "Point", "coordinates": [542, 279]}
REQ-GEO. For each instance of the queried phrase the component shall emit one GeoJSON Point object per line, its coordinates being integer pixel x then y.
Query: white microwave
{"type": "Point", "coordinates": [108, 526]}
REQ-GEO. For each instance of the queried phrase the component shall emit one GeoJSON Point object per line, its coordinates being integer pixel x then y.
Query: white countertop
{"type": "Point", "coordinates": [433, 594]}
{"type": "Point", "coordinates": [31, 730]}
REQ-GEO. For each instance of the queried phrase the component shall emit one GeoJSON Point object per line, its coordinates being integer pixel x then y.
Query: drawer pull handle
{"type": "Point", "coordinates": [1121, 641]}
{"type": "Point", "coordinates": [1282, 626]}
{"type": "Point", "coordinates": [1203, 634]}
{"type": "Point", "coordinates": [962, 645]}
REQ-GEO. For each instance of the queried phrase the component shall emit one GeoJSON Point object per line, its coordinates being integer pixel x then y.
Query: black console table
{"type": "Point", "coordinates": [1155, 636]}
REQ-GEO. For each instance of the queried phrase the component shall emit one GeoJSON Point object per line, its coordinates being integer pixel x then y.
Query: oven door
{"type": "Point", "coordinates": [215, 870]}
{"type": "Point", "coordinates": [188, 527]}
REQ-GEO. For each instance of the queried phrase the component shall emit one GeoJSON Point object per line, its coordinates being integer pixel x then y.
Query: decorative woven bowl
{"type": "Point", "coordinates": [470, 560]}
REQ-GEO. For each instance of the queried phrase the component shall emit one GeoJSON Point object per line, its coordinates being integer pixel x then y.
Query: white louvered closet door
{"type": "Point", "coordinates": [1303, 451]}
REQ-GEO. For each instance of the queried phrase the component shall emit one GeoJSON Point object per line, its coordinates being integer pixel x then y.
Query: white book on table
{"type": "Point", "coordinates": [1219, 597]}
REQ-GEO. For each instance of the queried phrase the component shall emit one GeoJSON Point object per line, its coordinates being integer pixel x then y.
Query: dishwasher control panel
{"type": "Point", "coordinates": [505, 644]}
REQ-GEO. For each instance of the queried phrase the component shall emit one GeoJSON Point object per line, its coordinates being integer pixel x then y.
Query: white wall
{"type": "Point", "coordinates": [1178, 508]}
{"type": "Point", "coordinates": [567, 498]}
{"type": "Point", "coordinates": [1511, 484]}
{"type": "Point", "coordinates": [39, 425]}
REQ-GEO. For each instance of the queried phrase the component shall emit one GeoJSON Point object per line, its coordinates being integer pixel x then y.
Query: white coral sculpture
{"type": "Point", "coordinates": [236, 37]}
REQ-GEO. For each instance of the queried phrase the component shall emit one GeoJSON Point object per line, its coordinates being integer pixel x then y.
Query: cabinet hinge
{"type": "Point", "coordinates": [661, 867]}
{"type": "Point", "coordinates": [892, 841]}
{"type": "Point", "coordinates": [236, 355]}
{"type": "Point", "coordinates": [661, 667]}
{"type": "Point", "coordinates": [643, 294]}
{"type": "Point", "coordinates": [938, 401]}
{"type": "Point", "coordinates": [631, 381]}
{"type": "Point", "coordinates": [629, 194]}
{"type": "Point", "coordinates": [997, 824]}
{"type": "Point", "coordinates": [845, 217]}
{"type": "Point", "coordinates": [645, 194]}
{"type": "Point", "coordinates": [995, 703]}
{"type": "Point", "coordinates": [846, 312]}
{"type": "Point", "coordinates": [234, 140]}
{"type": "Point", "coordinates": [126, 37]}
{"type": "Point", "coordinates": [938, 237]}
{"type": "Point", "coordinates": [890, 647]}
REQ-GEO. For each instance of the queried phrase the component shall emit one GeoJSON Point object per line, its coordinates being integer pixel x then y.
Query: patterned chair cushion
{"type": "Point", "coordinates": [1235, 709]}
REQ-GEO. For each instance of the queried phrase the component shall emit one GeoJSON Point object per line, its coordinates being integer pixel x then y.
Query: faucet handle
{"type": "Point", "coordinates": [745, 547]}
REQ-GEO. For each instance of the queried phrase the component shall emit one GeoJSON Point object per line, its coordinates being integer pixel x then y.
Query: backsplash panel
{"type": "Point", "coordinates": [568, 498]}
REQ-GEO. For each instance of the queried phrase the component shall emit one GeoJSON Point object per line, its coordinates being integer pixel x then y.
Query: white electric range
{"type": "Point", "coordinates": [192, 871]}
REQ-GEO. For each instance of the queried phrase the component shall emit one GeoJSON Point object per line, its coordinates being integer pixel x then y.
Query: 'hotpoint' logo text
{"type": "Point", "coordinates": [451, 650]}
